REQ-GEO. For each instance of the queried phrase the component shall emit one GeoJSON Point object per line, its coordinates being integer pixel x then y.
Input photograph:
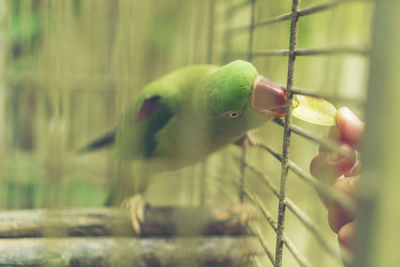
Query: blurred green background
{"type": "Point", "coordinates": [69, 67]}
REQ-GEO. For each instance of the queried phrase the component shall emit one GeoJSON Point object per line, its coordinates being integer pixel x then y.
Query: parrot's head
{"type": "Point", "coordinates": [239, 97]}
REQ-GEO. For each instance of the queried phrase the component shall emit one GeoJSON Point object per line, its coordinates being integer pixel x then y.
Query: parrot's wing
{"type": "Point", "coordinates": [149, 106]}
{"type": "Point", "coordinates": [136, 137]}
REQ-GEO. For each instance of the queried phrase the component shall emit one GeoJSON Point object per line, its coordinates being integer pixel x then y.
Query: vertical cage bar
{"type": "Point", "coordinates": [242, 173]}
{"type": "Point", "coordinates": [210, 49]}
{"type": "Point", "coordinates": [244, 150]}
{"type": "Point", "coordinates": [227, 36]}
{"type": "Point", "coordinates": [378, 217]}
{"type": "Point", "coordinates": [211, 31]}
{"type": "Point", "coordinates": [251, 31]}
{"type": "Point", "coordinates": [287, 133]}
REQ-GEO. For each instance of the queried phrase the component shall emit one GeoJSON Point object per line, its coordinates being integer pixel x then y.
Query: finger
{"type": "Point", "coordinates": [351, 127]}
{"type": "Point", "coordinates": [337, 215]}
{"type": "Point", "coordinates": [346, 236]}
{"type": "Point", "coordinates": [328, 166]}
{"type": "Point", "coordinates": [334, 135]}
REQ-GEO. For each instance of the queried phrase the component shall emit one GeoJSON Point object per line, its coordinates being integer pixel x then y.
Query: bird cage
{"type": "Point", "coordinates": [71, 68]}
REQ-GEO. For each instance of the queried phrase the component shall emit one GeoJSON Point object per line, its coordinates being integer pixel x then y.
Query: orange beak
{"type": "Point", "coordinates": [268, 98]}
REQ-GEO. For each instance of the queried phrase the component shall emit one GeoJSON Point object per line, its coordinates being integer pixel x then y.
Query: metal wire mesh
{"type": "Point", "coordinates": [250, 52]}
{"type": "Point", "coordinates": [286, 164]}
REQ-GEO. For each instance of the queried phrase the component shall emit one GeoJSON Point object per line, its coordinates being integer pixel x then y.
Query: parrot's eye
{"type": "Point", "coordinates": [233, 114]}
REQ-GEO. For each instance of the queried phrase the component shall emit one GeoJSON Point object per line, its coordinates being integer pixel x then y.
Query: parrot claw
{"type": "Point", "coordinates": [250, 139]}
{"type": "Point", "coordinates": [136, 206]}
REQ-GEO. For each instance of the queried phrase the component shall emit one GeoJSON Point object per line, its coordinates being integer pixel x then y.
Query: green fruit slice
{"type": "Point", "coordinates": [314, 110]}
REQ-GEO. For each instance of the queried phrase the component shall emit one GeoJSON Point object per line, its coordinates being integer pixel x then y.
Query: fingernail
{"type": "Point", "coordinates": [349, 114]}
{"type": "Point", "coordinates": [339, 153]}
{"type": "Point", "coordinates": [334, 156]}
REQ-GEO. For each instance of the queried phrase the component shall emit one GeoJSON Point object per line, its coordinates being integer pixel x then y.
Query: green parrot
{"type": "Point", "coordinates": [186, 115]}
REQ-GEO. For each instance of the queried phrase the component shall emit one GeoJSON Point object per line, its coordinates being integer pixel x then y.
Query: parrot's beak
{"type": "Point", "coordinates": [267, 97]}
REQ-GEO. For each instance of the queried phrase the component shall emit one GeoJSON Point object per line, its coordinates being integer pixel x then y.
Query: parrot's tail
{"type": "Point", "coordinates": [101, 142]}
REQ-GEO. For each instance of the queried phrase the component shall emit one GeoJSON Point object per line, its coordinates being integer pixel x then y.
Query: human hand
{"type": "Point", "coordinates": [341, 168]}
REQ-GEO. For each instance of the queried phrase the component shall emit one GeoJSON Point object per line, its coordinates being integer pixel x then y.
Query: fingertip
{"type": "Point", "coordinates": [337, 215]}
{"type": "Point", "coordinates": [323, 168]}
{"type": "Point", "coordinates": [351, 127]}
{"type": "Point", "coordinates": [344, 113]}
{"type": "Point", "coordinates": [346, 158]}
{"type": "Point", "coordinates": [327, 166]}
{"type": "Point", "coordinates": [346, 185]}
{"type": "Point", "coordinates": [346, 235]}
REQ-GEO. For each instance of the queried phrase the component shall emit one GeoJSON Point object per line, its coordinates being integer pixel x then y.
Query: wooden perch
{"type": "Point", "coordinates": [158, 221]}
{"type": "Point", "coordinates": [149, 252]}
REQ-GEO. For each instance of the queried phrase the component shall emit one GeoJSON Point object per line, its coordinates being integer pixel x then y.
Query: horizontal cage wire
{"type": "Point", "coordinates": [284, 202]}
{"type": "Point", "coordinates": [284, 17]}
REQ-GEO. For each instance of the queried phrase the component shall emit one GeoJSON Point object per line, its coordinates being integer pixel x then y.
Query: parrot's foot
{"type": "Point", "coordinates": [136, 206]}
{"type": "Point", "coordinates": [250, 139]}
